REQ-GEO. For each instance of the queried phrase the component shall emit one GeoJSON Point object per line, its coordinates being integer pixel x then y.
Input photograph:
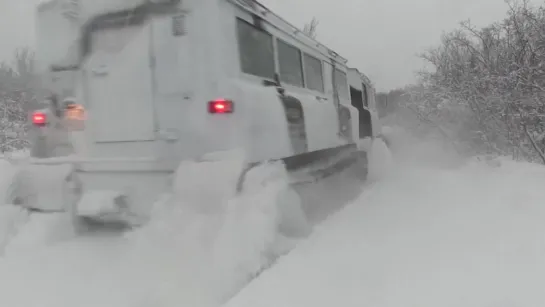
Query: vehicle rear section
{"type": "Point", "coordinates": [140, 111]}
{"type": "Point", "coordinates": [151, 85]}
{"type": "Point", "coordinates": [149, 102]}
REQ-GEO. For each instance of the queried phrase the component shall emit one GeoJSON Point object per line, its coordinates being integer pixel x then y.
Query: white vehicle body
{"type": "Point", "coordinates": [149, 73]}
{"type": "Point", "coordinates": [56, 39]}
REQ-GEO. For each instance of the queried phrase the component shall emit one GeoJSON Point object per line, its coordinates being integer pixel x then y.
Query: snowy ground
{"type": "Point", "coordinates": [200, 248]}
{"type": "Point", "coordinates": [435, 232]}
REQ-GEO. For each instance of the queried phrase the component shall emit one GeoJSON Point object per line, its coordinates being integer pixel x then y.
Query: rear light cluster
{"type": "Point", "coordinates": [76, 112]}
{"type": "Point", "coordinates": [39, 118]}
{"type": "Point", "coordinates": [220, 106]}
{"type": "Point", "coordinates": [73, 117]}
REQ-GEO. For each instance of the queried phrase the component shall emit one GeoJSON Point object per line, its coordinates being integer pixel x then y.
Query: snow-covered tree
{"type": "Point", "coordinates": [17, 96]}
{"type": "Point", "coordinates": [486, 90]}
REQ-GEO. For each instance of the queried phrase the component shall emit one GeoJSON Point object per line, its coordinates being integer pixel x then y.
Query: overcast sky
{"type": "Point", "coordinates": [380, 37]}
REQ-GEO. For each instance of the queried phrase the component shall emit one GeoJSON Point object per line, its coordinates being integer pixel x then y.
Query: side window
{"type": "Point", "coordinates": [341, 84]}
{"type": "Point", "coordinates": [365, 95]}
{"type": "Point", "coordinates": [290, 63]}
{"type": "Point", "coordinates": [314, 73]}
{"type": "Point", "coordinates": [256, 50]}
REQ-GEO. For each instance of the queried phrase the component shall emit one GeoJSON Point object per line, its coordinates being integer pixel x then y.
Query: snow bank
{"type": "Point", "coordinates": [82, 273]}
{"type": "Point", "coordinates": [29, 233]}
{"type": "Point", "coordinates": [428, 236]}
{"type": "Point", "coordinates": [10, 217]}
{"type": "Point", "coordinates": [17, 154]}
{"type": "Point", "coordinates": [203, 244]}
{"type": "Point", "coordinates": [192, 253]}
{"type": "Point", "coordinates": [7, 172]}
{"type": "Point", "coordinates": [20, 231]}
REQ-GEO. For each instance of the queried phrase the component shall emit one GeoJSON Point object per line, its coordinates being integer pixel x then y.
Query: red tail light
{"type": "Point", "coordinates": [220, 106]}
{"type": "Point", "coordinates": [39, 118]}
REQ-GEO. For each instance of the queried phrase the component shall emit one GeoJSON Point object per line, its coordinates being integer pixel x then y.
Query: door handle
{"type": "Point", "coordinates": [321, 99]}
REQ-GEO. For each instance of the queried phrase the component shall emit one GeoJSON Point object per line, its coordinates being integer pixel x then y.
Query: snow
{"type": "Point", "coordinates": [33, 232]}
{"type": "Point", "coordinates": [435, 234]}
{"type": "Point", "coordinates": [195, 258]}
{"type": "Point", "coordinates": [7, 173]}
{"type": "Point", "coordinates": [98, 203]}
{"type": "Point", "coordinates": [430, 229]}
{"type": "Point", "coordinates": [183, 256]}
{"type": "Point", "coordinates": [21, 232]}
{"type": "Point", "coordinates": [380, 160]}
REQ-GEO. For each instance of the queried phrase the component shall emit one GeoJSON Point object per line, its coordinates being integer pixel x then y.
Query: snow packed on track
{"type": "Point", "coordinates": [202, 245]}
{"type": "Point", "coordinates": [435, 230]}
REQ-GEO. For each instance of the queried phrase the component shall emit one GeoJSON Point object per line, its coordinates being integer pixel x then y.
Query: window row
{"type": "Point", "coordinates": [257, 57]}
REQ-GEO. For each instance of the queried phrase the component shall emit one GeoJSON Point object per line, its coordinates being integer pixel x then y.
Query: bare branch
{"type": "Point", "coordinates": [534, 144]}
{"type": "Point", "coordinates": [310, 28]}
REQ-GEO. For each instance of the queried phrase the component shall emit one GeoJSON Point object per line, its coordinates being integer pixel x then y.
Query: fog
{"type": "Point", "coordinates": [380, 37]}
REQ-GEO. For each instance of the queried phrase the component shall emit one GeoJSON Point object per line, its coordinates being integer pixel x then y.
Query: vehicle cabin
{"type": "Point", "coordinates": [269, 46]}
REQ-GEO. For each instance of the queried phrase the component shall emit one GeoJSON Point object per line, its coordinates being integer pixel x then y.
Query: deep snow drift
{"type": "Point", "coordinates": [199, 248]}
{"type": "Point", "coordinates": [430, 230]}
{"type": "Point", "coordinates": [436, 231]}
{"type": "Point", "coordinates": [21, 232]}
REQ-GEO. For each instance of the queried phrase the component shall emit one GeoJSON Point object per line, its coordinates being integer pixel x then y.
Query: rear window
{"type": "Point", "coordinates": [290, 63]}
{"type": "Point", "coordinates": [314, 74]}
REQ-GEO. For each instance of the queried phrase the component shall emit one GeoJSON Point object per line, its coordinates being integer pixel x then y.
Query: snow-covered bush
{"type": "Point", "coordinates": [486, 89]}
{"type": "Point", "coordinates": [18, 93]}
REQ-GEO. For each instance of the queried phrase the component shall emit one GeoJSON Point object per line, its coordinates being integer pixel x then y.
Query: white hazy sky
{"type": "Point", "coordinates": [380, 37]}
